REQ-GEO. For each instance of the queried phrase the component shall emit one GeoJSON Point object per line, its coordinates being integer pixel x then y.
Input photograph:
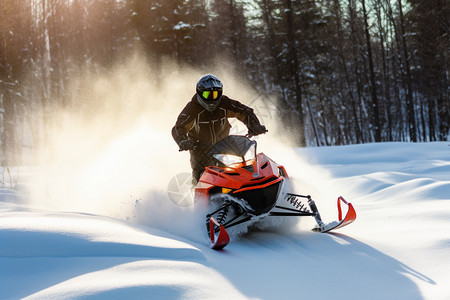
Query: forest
{"type": "Point", "coordinates": [341, 72]}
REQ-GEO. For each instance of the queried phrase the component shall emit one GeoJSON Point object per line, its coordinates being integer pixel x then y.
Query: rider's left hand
{"type": "Point", "coordinates": [257, 129]}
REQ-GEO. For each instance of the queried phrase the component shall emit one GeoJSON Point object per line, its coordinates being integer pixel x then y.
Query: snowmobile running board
{"type": "Point", "coordinates": [221, 238]}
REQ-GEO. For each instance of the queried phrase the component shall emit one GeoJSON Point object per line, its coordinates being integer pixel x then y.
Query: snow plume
{"type": "Point", "coordinates": [110, 150]}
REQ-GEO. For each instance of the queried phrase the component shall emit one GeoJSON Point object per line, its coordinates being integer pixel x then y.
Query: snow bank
{"type": "Point", "coordinates": [55, 255]}
{"type": "Point", "coordinates": [398, 247]}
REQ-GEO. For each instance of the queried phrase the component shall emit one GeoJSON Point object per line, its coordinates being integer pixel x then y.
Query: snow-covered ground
{"type": "Point", "coordinates": [150, 248]}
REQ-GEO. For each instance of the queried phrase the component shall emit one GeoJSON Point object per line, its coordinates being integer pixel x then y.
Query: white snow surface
{"type": "Point", "coordinates": [150, 248]}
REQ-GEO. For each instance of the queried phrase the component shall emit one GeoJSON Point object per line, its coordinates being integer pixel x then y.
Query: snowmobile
{"type": "Point", "coordinates": [245, 186]}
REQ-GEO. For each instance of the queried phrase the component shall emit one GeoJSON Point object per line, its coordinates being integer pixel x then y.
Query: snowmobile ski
{"type": "Point", "coordinates": [350, 216]}
{"type": "Point", "coordinates": [218, 240]}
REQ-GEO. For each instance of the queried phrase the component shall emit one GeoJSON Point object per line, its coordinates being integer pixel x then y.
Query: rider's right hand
{"type": "Point", "coordinates": [186, 145]}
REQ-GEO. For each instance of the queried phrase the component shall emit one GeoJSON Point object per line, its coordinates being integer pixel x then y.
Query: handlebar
{"type": "Point", "coordinates": [197, 143]}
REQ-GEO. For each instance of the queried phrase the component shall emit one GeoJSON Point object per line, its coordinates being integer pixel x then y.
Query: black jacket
{"type": "Point", "coordinates": [198, 124]}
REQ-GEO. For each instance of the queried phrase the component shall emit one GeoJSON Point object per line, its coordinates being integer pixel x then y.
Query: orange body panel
{"type": "Point", "coordinates": [251, 174]}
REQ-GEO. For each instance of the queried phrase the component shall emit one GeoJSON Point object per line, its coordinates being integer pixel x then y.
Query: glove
{"type": "Point", "coordinates": [257, 129]}
{"type": "Point", "coordinates": [186, 145]}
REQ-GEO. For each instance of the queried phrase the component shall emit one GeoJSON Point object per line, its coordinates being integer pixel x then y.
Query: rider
{"type": "Point", "coordinates": [204, 121]}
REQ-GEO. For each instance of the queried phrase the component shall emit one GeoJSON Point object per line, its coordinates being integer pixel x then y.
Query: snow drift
{"type": "Point", "coordinates": [397, 249]}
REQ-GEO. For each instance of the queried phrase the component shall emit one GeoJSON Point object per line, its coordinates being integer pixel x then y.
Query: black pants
{"type": "Point", "coordinates": [199, 160]}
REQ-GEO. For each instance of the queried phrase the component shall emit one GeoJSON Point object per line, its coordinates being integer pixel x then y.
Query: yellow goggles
{"type": "Point", "coordinates": [210, 95]}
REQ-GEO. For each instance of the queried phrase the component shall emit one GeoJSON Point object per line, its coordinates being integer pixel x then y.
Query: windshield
{"type": "Point", "coordinates": [234, 149]}
{"type": "Point", "coordinates": [229, 159]}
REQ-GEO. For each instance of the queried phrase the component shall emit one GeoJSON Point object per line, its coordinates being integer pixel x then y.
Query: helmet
{"type": "Point", "coordinates": [209, 92]}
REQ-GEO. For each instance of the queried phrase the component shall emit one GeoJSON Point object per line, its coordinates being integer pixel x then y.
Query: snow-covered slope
{"type": "Point", "coordinates": [398, 248]}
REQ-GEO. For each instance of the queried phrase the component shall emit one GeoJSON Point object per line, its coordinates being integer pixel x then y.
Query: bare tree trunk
{"type": "Point", "coordinates": [397, 68]}
{"type": "Point", "coordinates": [366, 130]}
{"type": "Point", "coordinates": [294, 66]}
{"type": "Point", "coordinates": [313, 121]}
{"type": "Point", "coordinates": [422, 119]}
{"type": "Point", "coordinates": [409, 95]}
{"type": "Point", "coordinates": [324, 121]}
{"type": "Point", "coordinates": [386, 80]}
{"type": "Point", "coordinates": [233, 30]}
{"type": "Point", "coordinates": [359, 136]}
{"type": "Point", "coordinates": [375, 105]}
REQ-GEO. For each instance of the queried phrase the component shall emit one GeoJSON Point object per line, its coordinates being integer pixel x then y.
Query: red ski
{"type": "Point", "coordinates": [220, 240]}
{"type": "Point", "coordinates": [350, 216]}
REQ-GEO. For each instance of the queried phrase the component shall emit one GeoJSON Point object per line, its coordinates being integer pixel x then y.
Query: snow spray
{"type": "Point", "coordinates": [110, 151]}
